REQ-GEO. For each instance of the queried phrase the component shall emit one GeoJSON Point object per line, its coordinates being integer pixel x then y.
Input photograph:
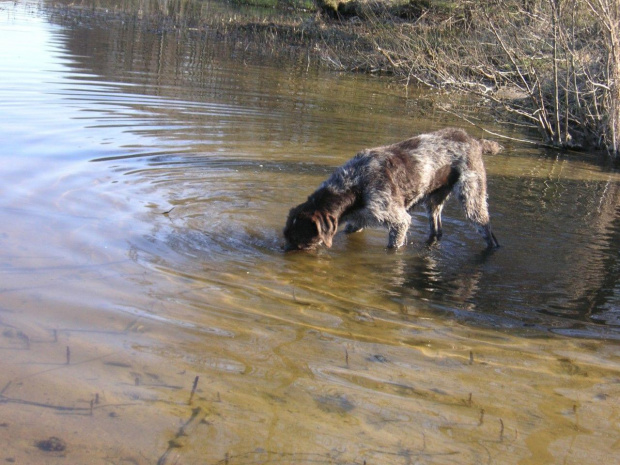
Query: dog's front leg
{"type": "Point", "coordinates": [354, 223]}
{"type": "Point", "coordinates": [397, 235]}
{"type": "Point", "coordinates": [398, 228]}
{"type": "Point", "coordinates": [357, 221]}
{"type": "Point", "coordinates": [398, 225]}
{"type": "Point", "coordinates": [352, 228]}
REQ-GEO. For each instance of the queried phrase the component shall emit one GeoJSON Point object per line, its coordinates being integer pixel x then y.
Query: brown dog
{"type": "Point", "coordinates": [378, 187]}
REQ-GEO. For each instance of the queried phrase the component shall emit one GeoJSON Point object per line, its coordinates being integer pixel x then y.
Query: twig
{"type": "Point", "coordinates": [386, 55]}
{"type": "Point", "coordinates": [191, 396]}
{"type": "Point", "coordinates": [6, 386]}
{"type": "Point", "coordinates": [467, 120]}
{"type": "Point", "coordinates": [185, 429]}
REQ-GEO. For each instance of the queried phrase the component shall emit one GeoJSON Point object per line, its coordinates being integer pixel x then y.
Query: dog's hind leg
{"type": "Point", "coordinates": [434, 207]}
{"type": "Point", "coordinates": [472, 192]}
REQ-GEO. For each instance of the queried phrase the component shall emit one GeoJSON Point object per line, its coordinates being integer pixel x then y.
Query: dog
{"type": "Point", "coordinates": [380, 186]}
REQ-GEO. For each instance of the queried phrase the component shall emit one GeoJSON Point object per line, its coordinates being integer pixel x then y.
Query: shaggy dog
{"type": "Point", "coordinates": [378, 187]}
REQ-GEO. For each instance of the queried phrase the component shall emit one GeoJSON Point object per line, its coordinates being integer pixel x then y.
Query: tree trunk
{"type": "Point", "coordinates": [608, 14]}
{"type": "Point", "coordinates": [614, 79]}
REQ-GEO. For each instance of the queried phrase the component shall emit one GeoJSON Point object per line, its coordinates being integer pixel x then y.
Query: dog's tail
{"type": "Point", "coordinates": [490, 147]}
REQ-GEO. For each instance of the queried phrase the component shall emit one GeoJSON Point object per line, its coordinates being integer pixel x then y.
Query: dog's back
{"type": "Point", "coordinates": [416, 166]}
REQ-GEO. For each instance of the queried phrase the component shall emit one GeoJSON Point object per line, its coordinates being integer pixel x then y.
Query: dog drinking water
{"type": "Point", "coordinates": [378, 187]}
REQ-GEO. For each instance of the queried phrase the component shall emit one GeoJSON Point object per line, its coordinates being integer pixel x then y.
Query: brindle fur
{"type": "Point", "coordinates": [380, 186]}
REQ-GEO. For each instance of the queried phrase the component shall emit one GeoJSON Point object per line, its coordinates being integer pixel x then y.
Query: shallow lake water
{"type": "Point", "coordinates": [149, 315]}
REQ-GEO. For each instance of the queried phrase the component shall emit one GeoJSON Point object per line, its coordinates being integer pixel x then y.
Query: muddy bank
{"type": "Point", "coordinates": [337, 35]}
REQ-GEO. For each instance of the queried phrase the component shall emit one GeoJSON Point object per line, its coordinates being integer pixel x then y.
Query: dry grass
{"type": "Point", "coordinates": [546, 64]}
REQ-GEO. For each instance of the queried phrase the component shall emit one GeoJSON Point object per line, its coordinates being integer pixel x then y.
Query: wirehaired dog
{"type": "Point", "coordinates": [378, 187]}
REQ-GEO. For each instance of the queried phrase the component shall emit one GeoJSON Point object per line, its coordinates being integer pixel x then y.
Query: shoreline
{"type": "Point", "coordinates": [448, 49]}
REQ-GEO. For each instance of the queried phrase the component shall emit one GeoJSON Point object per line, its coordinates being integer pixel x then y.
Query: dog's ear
{"type": "Point", "coordinates": [327, 225]}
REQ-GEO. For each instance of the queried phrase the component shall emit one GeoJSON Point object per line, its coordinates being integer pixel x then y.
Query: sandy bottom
{"type": "Point", "coordinates": [271, 392]}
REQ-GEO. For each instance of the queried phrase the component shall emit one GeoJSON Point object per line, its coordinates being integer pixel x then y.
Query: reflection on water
{"type": "Point", "coordinates": [145, 181]}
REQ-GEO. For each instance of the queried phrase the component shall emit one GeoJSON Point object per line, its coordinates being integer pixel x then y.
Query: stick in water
{"type": "Point", "coordinates": [191, 396]}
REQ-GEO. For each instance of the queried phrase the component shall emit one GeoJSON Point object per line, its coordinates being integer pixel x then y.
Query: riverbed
{"type": "Point", "coordinates": [148, 313]}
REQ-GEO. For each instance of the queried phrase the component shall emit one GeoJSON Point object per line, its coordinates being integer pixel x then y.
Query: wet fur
{"type": "Point", "coordinates": [378, 187]}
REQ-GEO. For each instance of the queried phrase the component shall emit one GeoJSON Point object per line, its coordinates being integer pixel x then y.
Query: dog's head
{"type": "Point", "coordinates": [307, 228]}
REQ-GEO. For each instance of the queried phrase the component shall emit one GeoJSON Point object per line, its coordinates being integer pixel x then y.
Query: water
{"type": "Point", "coordinates": [145, 180]}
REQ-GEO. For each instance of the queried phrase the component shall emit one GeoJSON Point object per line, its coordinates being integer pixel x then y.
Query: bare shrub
{"type": "Point", "coordinates": [551, 64]}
